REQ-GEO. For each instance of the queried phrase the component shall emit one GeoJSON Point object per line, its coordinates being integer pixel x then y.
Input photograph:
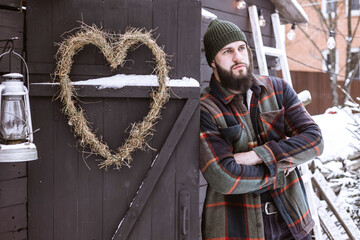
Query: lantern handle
{"type": "Point", "coordinates": [11, 51]}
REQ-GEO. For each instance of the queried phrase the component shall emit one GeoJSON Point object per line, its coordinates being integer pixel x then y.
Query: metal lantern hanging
{"type": "Point", "coordinates": [16, 134]}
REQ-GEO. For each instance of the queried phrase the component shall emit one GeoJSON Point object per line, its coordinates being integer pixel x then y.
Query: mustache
{"type": "Point", "coordinates": [239, 63]}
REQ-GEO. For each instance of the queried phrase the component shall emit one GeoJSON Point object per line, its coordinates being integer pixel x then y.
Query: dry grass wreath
{"type": "Point", "coordinates": [114, 47]}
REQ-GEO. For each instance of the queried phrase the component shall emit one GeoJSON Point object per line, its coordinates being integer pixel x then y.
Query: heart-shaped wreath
{"type": "Point", "coordinates": [114, 47]}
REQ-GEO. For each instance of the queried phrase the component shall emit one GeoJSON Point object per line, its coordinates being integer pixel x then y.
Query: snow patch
{"type": "Point", "coordinates": [122, 80]}
{"type": "Point", "coordinates": [336, 126]}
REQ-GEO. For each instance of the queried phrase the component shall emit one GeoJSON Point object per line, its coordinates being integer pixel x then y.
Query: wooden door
{"type": "Point", "coordinates": [69, 197]}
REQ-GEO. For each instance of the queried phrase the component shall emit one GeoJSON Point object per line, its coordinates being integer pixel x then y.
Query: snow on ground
{"type": "Point", "coordinates": [341, 133]}
{"type": "Point", "coordinates": [337, 127]}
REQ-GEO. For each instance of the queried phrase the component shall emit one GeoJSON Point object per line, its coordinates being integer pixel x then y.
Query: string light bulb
{"type": "Point", "coordinates": [291, 34]}
{"type": "Point", "coordinates": [262, 21]}
{"type": "Point", "coordinates": [241, 4]}
{"type": "Point", "coordinates": [331, 41]}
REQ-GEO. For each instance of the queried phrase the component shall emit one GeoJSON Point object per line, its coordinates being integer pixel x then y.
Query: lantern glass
{"type": "Point", "coordinates": [13, 119]}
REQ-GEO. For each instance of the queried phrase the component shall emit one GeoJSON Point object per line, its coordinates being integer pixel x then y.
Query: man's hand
{"type": "Point", "coordinates": [247, 158]}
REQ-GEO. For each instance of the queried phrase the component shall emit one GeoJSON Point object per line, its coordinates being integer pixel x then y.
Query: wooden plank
{"type": "Point", "coordinates": [115, 17]}
{"type": "Point", "coordinates": [205, 72]}
{"type": "Point", "coordinates": [50, 90]}
{"type": "Point", "coordinates": [328, 221]}
{"type": "Point", "coordinates": [202, 196]}
{"type": "Point", "coordinates": [187, 179]}
{"type": "Point", "coordinates": [12, 63]}
{"type": "Point", "coordinates": [164, 19]}
{"type": "Point", "coordinates": [141, 58]}
{"type": "Point", "coordinates": [64, 19]}
{"type": "Point", "coordinates": [310, 194]}
{"type": "Point", "coordinates": [91, 55]}
{"type": "Point", "coordinates": [13, 192]}
{"type": "Point", "coordinates": [291, 11]}
{"type": "Point", "coordinates": [126, 179]}
{"type": "Point", "coordinates": [45, 113]}
{"type": "Point", "coordinates": [12, 170]}
{"type": "Point", "coordinates": [11, 25]}
{"type": "Point", "coordinates": [259, 46]}
{"type": "Point", "coordinates": [188, 61]}
{"type": "Point", "coordinates": [153, 222]}
{"type": "Point", "coordinates": [154, 173]}
{"type": "Point", "coordinates": [10, 3]}
{"type": "Point", "coordinates": [341, 214]}
{"type": "Point", "coordinates": [164, 194]}
{"type": "Point", "coordinates": [319, 87]}
{"type": "Point", "coordinates": [13, 218]}
{"type": "Point", "coordinates": [18, 235]}
{"type": "Point", "coordinates": [36, 26]}
{"type": "Point", "coordinates": [66, 182]}
{"type": "Point", "coordinates": [85, 12]}
{"type": "Point", "coordinates": [280, 46]}
{"type": "Point", "coordinates": [90, 178]}
{"type": "Point", "coordinates": [143, 228]}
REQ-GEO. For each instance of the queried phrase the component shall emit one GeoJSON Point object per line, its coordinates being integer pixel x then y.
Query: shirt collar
{"type": "Point", "coordinates": [226, 96]}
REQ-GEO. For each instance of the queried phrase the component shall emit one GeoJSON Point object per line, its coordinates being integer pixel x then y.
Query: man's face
{"type": "Point", "coordinates": [231, 67]}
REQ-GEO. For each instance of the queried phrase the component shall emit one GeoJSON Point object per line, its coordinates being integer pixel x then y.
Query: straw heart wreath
{"type": "Point", "coordinates": [114, 47]}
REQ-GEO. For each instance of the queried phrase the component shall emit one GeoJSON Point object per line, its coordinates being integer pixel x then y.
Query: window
{"type": "Point", "coordinates": [328, 6]}
{"type": "Point", "coordinates": [355, 7]}
{"type": "Point", "coordinates": [355, 55]}
{"type": "Point", "coordinates": [326, 55]}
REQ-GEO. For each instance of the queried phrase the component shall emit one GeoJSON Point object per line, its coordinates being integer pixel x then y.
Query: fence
{"type": "Point", "coordinates": [318, 84]}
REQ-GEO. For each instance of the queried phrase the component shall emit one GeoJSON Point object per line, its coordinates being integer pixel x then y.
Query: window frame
{"type": "Point", "coordinates": [354, 50]}
{"type": "Point", "coordinates": [324, 9]}
{"type": "Point", "coordinates": [354, 13]}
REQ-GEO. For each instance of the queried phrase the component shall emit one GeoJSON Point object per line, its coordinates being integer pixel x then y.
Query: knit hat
{"type": "Point", "coordinates": [219, 34]}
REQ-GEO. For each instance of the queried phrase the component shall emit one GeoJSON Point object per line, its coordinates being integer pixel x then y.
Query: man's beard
{"type": "Point", "coordinates": [240, 83]}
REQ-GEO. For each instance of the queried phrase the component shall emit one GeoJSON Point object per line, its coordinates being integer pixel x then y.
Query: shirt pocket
{"type": "Point", "coordinates": [273, 123]}
{"type": "Point", "coordinates": [236, 138]}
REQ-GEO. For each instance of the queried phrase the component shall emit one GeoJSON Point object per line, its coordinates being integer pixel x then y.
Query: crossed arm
{"type": "Point", "coordinates": [262, 167]}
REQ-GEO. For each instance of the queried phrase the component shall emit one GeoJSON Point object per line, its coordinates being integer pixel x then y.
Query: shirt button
{"type": "Point", "coordinates": [258, 225]}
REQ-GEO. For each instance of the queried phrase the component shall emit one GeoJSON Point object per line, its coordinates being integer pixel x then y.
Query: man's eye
{"type": "Point", "coordinates": [227, 51]}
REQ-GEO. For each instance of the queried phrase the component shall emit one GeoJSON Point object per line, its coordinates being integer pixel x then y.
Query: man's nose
{"type": "Point", "coordinates": [237, 56]}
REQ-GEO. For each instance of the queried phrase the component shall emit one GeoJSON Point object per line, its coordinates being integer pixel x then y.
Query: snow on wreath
{"type": "Point", "coordinates": [114, 47]}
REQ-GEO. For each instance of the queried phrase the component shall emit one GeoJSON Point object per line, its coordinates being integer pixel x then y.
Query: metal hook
{"type": "Point", "coordinates": [10, 50]}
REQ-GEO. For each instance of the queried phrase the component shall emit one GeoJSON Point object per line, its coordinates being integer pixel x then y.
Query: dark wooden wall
{"type": "Point", "coordinates": [226, 10]}
{"type": "Point", "coordinates": [176, 25]}
{"type": "Point", "coordinates": [13, 176]}
{"type": "Point", "coordinates": [11, 26]}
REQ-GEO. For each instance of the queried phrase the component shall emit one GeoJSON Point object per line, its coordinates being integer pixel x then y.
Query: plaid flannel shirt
{"type": "Point", "coordinates": [280, 130]}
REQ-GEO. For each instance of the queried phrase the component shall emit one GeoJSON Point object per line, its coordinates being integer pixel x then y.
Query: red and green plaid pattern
{"type": "Point", "coordinates": [279, 129]}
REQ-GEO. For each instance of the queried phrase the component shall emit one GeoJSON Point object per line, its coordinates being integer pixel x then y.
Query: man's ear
{"type": "Point", "coordinates": [212, 64]}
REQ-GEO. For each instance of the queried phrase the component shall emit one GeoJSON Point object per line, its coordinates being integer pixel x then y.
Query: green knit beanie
{"type": "Point", "coordinates": [219, 34]}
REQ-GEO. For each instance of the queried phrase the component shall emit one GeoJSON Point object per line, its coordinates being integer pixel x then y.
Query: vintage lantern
{"type": "Point", "coordinates": [16, 132]}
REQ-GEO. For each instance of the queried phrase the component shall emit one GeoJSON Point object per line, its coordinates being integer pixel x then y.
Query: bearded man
{"type": "Point", "coordinates": [254, 134]}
